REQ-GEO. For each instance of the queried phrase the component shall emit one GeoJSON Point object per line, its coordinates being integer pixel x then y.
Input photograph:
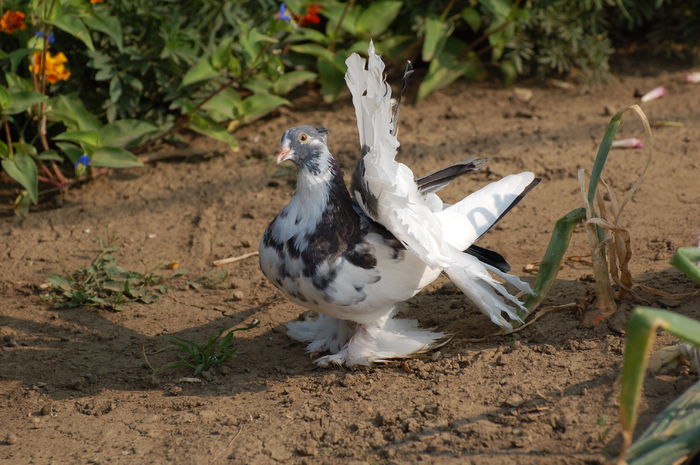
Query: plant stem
{"type": "Point", "coordinates": [348, 4]}
{"type": "Point", "coordinates": [447, 9]}
{"type": "Point", "coordinates": [7, 133]}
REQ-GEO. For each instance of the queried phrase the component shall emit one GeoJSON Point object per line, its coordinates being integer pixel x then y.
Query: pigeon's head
{"type": "Point", "coordinates": [305, 146]}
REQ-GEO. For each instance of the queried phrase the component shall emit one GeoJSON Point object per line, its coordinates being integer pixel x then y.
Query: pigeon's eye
{"type": "Point", "coordinates": [303, 138]}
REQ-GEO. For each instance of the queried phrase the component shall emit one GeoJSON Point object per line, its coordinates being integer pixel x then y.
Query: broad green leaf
{"type": "Point", "coordinates": [509, 72]}
{"type": "Point", "coordinates": [207, 126]}
{"type": "Point", "coordinates": [377, 17]}
{"type": "Point", "coordinates": [16, 57]}
{"type": "Point", "coordinates": [335, 11]}
{"type": "Point", "coordinates": [23, 101]}
{"type": "Point", "coordinates": [125, 132]}
{"type": "Point", "coordinates": [91, 138]}
{"type": "Point", "coordinates": [73, 152]}
{"type": "Point", "coordinates": [332, 79]}
{"type": "Point", "coordinates": [436, 34]}
{"type": "Point", "coordinates": [114, 157]}
{"type": "Point", "coordinates": [685, 259]}
{"type": "Point", "coordinates": [499, 8]}
{"type": "Point", "coordinates": [4, 150]}
{"type": "Point", "coordinates": [291, 80]}
{"type": "Point", "coordinates": [4, 99]}
{"type": "Point", "coordinates": [49, 155]}
{"type": "Point", "coordinates": [360, 47]}
{"type": "Point", "coordinates": [258, 84]}
{"type": "Point", "coordinates": [259, 105]}
{"type": "Point", "coordinates": [74, 26]}
{"type": "Point", "coordinates": [108, 25]}
{"type": "Point", "coordinates": [305, 34]}
{"type": "Point", "coordinates": [22, 169]}
{"type": "Point", "coordinates": [17, 83]}
{"type": "Point", "coordinates": [22, 203]}
{"type": "Point", "coordinates": [472, 17]}
{"type": "Point", "coordinates": [551, 261]}
{"type": "Point", "coordinates": [223, 105]}
{"type": "Point", "coordinates": [641, 332]}
{"type": "Point", "coordinates": [71, 111]}
{"type": "Point", "coordinates": [446, 68]}
{"type": "Point", "coordinates": [115, 89]}
{"type": "Point", "coordinates": [59, 282]}
{"type": "Point", "coordinates": [393, 45]}
{"type": "Point", "coordinates": [313, 49]}
{"type": "Point", "coordinates": [201, 71]}
{"type": "Point", "coordinates": [222, 54]}
{"type": "Point", "coordinates": [24, 148]}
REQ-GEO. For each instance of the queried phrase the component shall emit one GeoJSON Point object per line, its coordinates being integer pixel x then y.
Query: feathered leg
{"type": "Point", "coordinates": [324, 333]}
{"type": "Point", "coordinates": [385, 339]}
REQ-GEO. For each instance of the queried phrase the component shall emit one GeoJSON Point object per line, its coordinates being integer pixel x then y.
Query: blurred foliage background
{"type": "Point", "coordinates": [86, 84]}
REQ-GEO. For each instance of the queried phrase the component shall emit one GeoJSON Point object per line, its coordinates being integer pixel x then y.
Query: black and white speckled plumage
{"type": "Point", "coordinates": [355, 255]}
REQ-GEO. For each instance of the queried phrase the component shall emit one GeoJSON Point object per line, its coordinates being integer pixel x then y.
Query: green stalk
{"type": "Point", "coordinates": [551, 262]}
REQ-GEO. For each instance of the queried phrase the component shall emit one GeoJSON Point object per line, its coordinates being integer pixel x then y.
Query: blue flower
{"type": "Point", "coordinates": [83, 160]}
{"type": "Point", "coordinates": [40, 34]}
{"type": "Point", "coordinates": [283, 14]}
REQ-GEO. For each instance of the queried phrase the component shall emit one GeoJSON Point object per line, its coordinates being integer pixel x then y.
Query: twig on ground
{"type": "Point", "coordinates": [225, 261]}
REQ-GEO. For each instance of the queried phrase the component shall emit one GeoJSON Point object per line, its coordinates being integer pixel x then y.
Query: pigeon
{"type": "Point", "coordinates": [353, 256]}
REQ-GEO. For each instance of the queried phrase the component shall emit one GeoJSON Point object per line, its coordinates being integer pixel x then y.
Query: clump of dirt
{"type": "Point", "coordinates": [78, 386]}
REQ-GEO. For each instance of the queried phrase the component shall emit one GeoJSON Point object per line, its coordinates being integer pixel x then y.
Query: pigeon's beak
{"type": "Point", "coordinates": [285, 154]}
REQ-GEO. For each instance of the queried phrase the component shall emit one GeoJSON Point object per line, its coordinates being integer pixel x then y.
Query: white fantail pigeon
{"type": "Point", "coordinates": [353, 256]}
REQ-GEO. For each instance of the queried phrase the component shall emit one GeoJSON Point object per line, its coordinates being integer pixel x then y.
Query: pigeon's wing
{"type": "Point", "coordinates": [387, 191]}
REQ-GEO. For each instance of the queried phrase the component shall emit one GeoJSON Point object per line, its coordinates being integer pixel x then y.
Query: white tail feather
{"type": "Point", "coordinates": [438, 238]}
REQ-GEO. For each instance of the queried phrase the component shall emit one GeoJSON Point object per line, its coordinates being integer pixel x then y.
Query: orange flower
{"type": "Point", "coordinates": [55, 66]}
{"type": "Point", "coordinates": [11, 21]}
{"type": "Point", "coordinates": [95, 1]}
{"type": "Point", "coordinates": [311, 16]}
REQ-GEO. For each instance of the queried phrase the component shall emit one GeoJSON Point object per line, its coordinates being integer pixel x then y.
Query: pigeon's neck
{"type": "Point", "coordinates": [320, 197]}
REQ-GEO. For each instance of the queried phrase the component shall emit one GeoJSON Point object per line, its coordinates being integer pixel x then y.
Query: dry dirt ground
{"type": "Point", "coordinates": [76, 386]}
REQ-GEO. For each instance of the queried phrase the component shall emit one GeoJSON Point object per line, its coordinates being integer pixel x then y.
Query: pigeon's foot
{"type": "Point", "coordinates": [324, 333]}
{"type": "Point", "coordinates": [381, 341]}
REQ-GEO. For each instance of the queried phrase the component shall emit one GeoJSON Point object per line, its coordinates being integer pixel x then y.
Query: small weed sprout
{"type": "Point", "coordinates": [104, 284]}
{"type": "Point", "coordinates": [199, 357]}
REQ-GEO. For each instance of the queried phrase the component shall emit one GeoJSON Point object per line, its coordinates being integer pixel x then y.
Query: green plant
{"type": "Point", "coordinates": [104, 284]}
{"type": "Point", "coordinates": [199, 357]}
{"type": "Point", "coordinates": [675, 434]}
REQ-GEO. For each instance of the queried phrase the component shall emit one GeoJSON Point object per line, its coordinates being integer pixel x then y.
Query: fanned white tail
{"type": "Point", "coordinates": [436, 236]}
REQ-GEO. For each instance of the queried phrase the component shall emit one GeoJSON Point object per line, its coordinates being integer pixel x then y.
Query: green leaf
{"type": "Point", "coordinates": [91, 138]}
{"type": "Point", "coordinates": [222, 54]}
{"type": "Point", "coordinates": [49, 155]}
{"type": "Point", "coordinates": [445, 69]}
{"type": "Point", "coordinates": [472, 17]}
{"type": "Point", "coordinates": [71, 111]}
{"type": "Point", "coordinates": [71, 151]}
{"type": "Point", "coordinates": [203, 124]}
{"type": "Point", "coordinates": [22, 169]}
{"type": "Point", "coordinates": [108, 25]}
{"type": "Point", "coordinates": [125, 132]}
{"type": "Point", "coordinates": [223, 105]}
{"type": "Point", "coordinates": [332, 79]}
{"type": "Point", "coordinates": [23, 101]}
{"type": "Point", "coordinates": [377, 17]}
{"type": "Point", "coordinates": [551, 262]}
{"type": "Point", "coordinates": [685, 259]}
{"type": "Point", "coordinates": [16, 57]}
{"type": "Point", "coordinates": [335, 11]}
{"type": "Point", "coordinates": [499, 8]}
{"type": "Point", "coordinates": [313, 49]}
{"type": "Point", "coordinates": [4, 99]}
{"type": "Point", "coordinates": [74, 26]}
{"type": "Point", "coordinates": [201, 71]}
{"type": "Point", "coordinates": [436, 34]}
{"type": "Point", "coordinates": [259, 105]}
{"type": "Point", "coordinates": [59, 282]}
{"type": "Point", "coordinates": [291, 80]}
{"type": "Point", "coordinates": [641, 332]}
{"type": "Point", "coordinates": [114, 157]}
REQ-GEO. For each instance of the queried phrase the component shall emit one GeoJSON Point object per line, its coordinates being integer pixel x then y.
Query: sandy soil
{"type": "Point", "coordinates": [75, 386]}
